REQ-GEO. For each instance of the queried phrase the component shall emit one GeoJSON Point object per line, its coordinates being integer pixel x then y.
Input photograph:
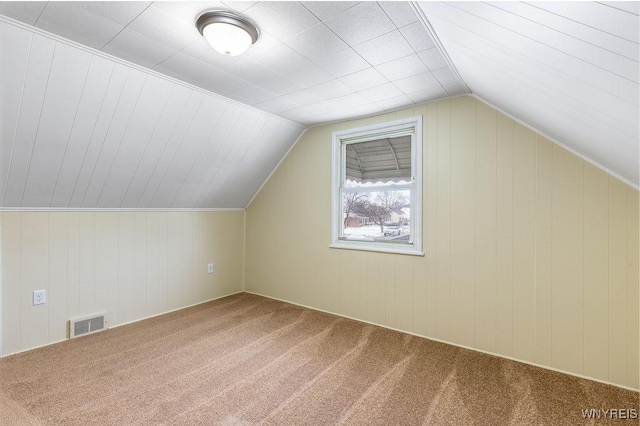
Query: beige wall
{"type": "Point", "coordinates": [130, 264]}
{"type": "Point", "coordinates": [531, 252]}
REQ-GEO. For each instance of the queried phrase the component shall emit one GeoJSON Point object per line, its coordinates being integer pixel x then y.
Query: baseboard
{"type": "Point", "coordinates": [174, 310]}
{"type": "Point", "coordinates": [449, 343]}
{"type": "Point", "coordinates": [125, 323]}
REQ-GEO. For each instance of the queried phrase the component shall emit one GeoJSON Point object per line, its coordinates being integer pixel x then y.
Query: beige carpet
{"type": "Point", "coordinates": [247, 360]}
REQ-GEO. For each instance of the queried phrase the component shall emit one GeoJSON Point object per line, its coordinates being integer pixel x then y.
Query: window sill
{"type": "Point", "coordinates": [376, 248]}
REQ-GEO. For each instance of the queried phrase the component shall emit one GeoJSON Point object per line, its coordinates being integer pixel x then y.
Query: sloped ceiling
{"type": "Point", "coordinates": [569, 69]}
{"type": "Point", "coordinates": [314, 62]}
{"type": "Point", "coordinates": [80, 129]}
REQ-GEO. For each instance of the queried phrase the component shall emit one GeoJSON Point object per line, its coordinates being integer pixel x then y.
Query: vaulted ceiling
{"type": "Point", "coordinates": [123, 104]}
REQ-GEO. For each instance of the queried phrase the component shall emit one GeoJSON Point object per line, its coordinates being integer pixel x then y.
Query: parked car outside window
{"type": "Point", "coordinates": [392, 229]}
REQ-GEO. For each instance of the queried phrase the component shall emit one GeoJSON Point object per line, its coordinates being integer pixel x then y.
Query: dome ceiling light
{"type": "Point", "coordinates": [227, 32]}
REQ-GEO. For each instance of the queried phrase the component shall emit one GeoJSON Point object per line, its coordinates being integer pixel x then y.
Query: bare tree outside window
{"type": "Point", "coordinates": [352, 203]}
{"type": "Point", "coordinates": [379, 208]}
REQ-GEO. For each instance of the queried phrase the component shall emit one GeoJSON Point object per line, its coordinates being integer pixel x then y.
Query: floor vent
{"type": "Point", "coordinates": [86, 325]}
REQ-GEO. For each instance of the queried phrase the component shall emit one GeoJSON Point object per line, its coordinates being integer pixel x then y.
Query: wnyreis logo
{"type": "Point", "coordinates": [610, 413]}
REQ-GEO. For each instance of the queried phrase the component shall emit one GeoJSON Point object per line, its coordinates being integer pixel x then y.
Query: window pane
{"type": "Point", "coordinates": [381, 161]}
{"type": "Point", "coordinates": [377, 216]}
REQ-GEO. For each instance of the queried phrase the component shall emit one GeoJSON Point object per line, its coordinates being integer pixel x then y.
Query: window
{"type": "Point", "coordinates": [377, 188]}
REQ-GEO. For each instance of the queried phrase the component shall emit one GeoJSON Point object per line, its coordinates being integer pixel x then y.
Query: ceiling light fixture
{"type": "Point", "coordinates": [227, 32]}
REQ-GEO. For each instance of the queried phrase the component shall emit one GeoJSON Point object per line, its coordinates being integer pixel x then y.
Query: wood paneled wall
{"type": "Point", "coordinates": [130, 264]}
{"type": "Point", "coordinates": [530, 251]}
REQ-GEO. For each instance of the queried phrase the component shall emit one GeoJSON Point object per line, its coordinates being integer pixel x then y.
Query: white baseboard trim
{"type": "Point", "coordinates": [125, 323]}
{"type": "Point", "coordinates": [448, 343]}
{"type": "Point", "coordinates": [174, 310]}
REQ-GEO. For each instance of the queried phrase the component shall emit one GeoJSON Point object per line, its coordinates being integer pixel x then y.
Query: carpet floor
{"type": "Point", "coordinates": [245, 360]}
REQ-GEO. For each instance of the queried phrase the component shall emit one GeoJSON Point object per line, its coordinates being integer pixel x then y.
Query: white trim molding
{"type": "Point", "coordinates": [409, 126]}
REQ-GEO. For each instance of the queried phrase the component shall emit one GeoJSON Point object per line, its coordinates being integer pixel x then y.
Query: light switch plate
{"type": "Point", "coordinates": [210, 268]}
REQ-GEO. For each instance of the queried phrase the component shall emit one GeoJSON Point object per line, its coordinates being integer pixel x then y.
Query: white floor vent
{"type": "Point", "coordinates": [87, 325]}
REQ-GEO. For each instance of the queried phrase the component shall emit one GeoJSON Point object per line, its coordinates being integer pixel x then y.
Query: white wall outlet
{"type": "Point", "coordinates": [210, 268]}
{"type": "Point", "coordinates": [39, 297]}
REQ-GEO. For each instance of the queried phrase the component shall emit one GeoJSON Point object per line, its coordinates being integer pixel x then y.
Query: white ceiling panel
{"type": "Point", "coordinates": [414, 34]}
{"type": "Point", "coordinates": [122, 14]}
{"type": "Point", "coordinates": [401, 13]}
{"type": "Point", "coordinates": [580, 31]}
{"type": "Point", "coordinates": [280, 58]}
{"type": "Point", "coordinates": [308, 76]}
{"type": "Point", "coordinates": [235, 154]}
{"type": "Point", "coordinates": [432, 58]}
{"type": "Point", "coordinates": [343, 63]}
{"type": "Point", "coordinates": [25, 11]}
{"type": "Point", "coordinates": [249, 70]}
{"type": "Point", "coordinates": [108, 105]}
{"type": "Point", "coordinates": [326, 9]}
{"type": "Point", "coordinates": [66, 82]}
{"type": "Point", "coordinates": [199, 133]}
{"type": "Point", "coordinates": [586, 52]}
{"type": "Point", "coordinates": [156, 144]}
{"type": "Point", "coordinates": [319, 93]}
{"type": "Point", "coordinates": [177, 135]}
{"type": "Point", "coordinates": [278, 105]}
{"type": "Point", "coordinates": [164, 28]}
{"type": "Point", "coordinates": [90, 131]}
{"type": "Point", "coordinates": [382, 92]}
{"type": "Point", "coordinates": [429, 94]}
{"type": "Point", "coordinates": [394, 103]}
{"type": "Point", "coordinates": [282, 19]}
{"type": "Point", "coordinates": [316, 43]}
{"type": "Point", "coordinates": [628, 6]}
{"type": "Point", "coordinates": [402, 68]}
{"type": "Point", "coordinates": [126, 109]}
{"type": "Point", "coordinates": [301, 45]}
{"type": "Point", "coordinates": [470, 24]}
{"type": "Point", "coordinates": [15, 58]}
{"type": "Point", "coordinates": [252, 95]}
{"type": "Point", "coordinates": [568, 69]}
{"type": "Point", "coordinates": [78, 24]}
{"type": "Point", "coordinates": [233, 133]}
{"type": "Point", "coordinates": [193, 184]}
{"type": "Point", "coordinates": [33, 93]}
{"type": "Point", "coordinates": [364, 79]}
{"type": "Point", "coordinates": [599, 16]}
{"type": "Point", "coordinates": [417, 82]}
{"type": "Point", "coordinates": [239, 6]}
{"type": "Point", "coordinates": [384, 48]}
{"type": "Point", "coordinates": [149, 109]}
{"type": "Point", "coordinates": [360, 23]}
{"type": "Point", "coordinates": [187, 11]}
{"type": "Point", "coordinates": [132, 45]}
{"type": "Point", "coordinates": [280, 85]}
{"type": "Point", "coordinates": [445, 76]}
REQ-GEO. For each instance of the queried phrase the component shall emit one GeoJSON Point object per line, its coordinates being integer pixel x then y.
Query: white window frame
{"type": "Point", "coordinates": [409, 126]}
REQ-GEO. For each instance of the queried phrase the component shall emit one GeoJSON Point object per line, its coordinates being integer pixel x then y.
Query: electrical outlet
{"type": "Point", "coordinates": [210, 268]}
{"type": "Point", "coordinates": [39, 297]}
